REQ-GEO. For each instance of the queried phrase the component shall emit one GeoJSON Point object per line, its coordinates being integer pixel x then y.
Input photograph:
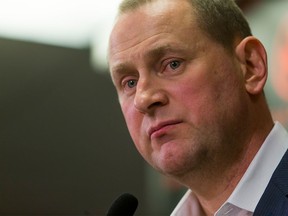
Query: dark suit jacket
{"type": "Point", "coordinates": [274, 201]}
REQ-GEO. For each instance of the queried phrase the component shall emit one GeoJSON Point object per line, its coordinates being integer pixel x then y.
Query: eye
{"type": "Point", "coordinates": [131, 83]}
{"type": "Point", "coordinates": [174, 64]}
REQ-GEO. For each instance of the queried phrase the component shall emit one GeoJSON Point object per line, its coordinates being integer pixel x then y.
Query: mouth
{"type": "Point", "coordinates": [162, 128]}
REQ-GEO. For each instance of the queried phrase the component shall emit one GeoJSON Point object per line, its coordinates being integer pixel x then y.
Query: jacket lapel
{"type": "Point", "coordinates": [274, 201]}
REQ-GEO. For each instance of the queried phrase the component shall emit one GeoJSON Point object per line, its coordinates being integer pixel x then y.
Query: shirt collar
{"type": "Point", "coordinates": [253, 182]}
{"type": "Point", "coordinates": [259, 172]}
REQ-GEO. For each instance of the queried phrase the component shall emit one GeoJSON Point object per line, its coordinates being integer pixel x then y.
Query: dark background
{"type": "Point", "coordinates": [64, 147]}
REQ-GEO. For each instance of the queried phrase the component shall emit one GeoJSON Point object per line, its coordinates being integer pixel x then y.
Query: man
{"type": "Point", "coordinates": [190, 79]}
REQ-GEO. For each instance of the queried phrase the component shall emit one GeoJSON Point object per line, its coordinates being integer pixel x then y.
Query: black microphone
{"type": "Point", "coordinates": [124, 205]}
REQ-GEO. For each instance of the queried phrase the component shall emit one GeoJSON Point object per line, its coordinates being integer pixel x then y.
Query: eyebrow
{"type": "Point", "coordinates": [162, 50]}
{"type": "Point", "coordinates": [158, 51]}
{"type": "Point", "coordinates": [119, 69]}
{"type": "Point", "coordinates": [153, 54]}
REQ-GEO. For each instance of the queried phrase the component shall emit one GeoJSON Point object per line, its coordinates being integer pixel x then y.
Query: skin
{"type": "Point", "coordinates": [191, 106]}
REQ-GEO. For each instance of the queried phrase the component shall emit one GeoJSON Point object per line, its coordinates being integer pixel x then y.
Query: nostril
{"type": "Point", "coordinates": [155, 104]}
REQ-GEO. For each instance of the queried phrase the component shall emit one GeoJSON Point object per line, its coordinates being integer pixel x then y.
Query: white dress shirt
{"type": "Point", "coordinates": [246, 195]}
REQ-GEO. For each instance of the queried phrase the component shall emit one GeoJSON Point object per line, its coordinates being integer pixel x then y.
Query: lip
{"type": "Point", "coordinates": [154, 129]}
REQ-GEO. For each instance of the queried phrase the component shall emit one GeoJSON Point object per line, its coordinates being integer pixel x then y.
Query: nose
{"type": "Point", "coordinates": [149, 95]}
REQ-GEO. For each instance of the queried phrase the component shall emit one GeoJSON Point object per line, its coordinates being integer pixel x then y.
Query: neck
{"type": "Point", "coordinates": [214, 187]}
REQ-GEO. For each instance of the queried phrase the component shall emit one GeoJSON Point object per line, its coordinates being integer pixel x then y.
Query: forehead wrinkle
{"type": "Point", "coordinates": [130, 43]}
{"type": "Point", "coordinates": [161, 50]}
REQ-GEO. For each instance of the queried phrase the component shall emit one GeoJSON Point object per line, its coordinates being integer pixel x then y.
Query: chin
{"type": "Point", "coordinates": [181, 164]}
{"type": "Point", "coordinates": [171, 166]}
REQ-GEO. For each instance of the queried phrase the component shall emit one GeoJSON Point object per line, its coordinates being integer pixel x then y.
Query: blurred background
{"type": "Point", "coordinates": [64, 146]}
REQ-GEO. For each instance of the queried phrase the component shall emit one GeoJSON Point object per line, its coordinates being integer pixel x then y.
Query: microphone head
{"type": "Point", "coordinates": [125, 204]}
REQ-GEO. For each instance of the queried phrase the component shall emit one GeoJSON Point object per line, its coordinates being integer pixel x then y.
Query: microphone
{"type": "Point", "coordinates": [125, 204]}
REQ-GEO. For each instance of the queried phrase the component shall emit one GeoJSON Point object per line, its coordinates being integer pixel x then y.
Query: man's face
{"type": "Point", "coordinates": [179, 91]}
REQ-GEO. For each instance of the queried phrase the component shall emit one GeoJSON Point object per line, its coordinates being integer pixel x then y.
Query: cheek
{"type": "Point", "coordinates": [134, 122]}
{"type": "Point", "coordinates": [130, 117]}
{"type": "Point", "coordinates": [197, 96]}
{"type": "Point", "coordinates": [207, 100]}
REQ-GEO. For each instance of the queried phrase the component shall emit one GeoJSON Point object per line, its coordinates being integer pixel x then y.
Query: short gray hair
{"type": "Point", "coordinates": [222, 20]}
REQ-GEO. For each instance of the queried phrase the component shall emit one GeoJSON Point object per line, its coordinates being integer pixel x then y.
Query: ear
{"type": "Point", "coordinates": [253, 59]}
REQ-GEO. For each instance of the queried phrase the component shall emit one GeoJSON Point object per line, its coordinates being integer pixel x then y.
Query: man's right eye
{"type": "Point", "coordinates": [131, 83]}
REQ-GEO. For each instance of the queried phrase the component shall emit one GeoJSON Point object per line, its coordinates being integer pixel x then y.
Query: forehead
{"type": "Point", "coordinates": [151, 18]}
{"type": "Point", "coordinates": [153, 28]}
